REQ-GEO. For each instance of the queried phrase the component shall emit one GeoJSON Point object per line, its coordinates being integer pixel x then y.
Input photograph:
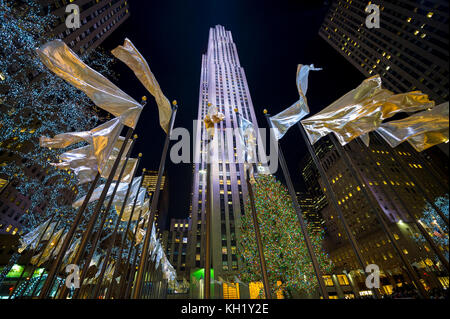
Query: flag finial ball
{"type": "Point", "coordinates": [144, 170]}
{"type": "Point", "coordinates": [174, 102]}
{"type": "Point", "coordinates": [144, 98]}
{"type": "Point", "coordinates": [209, 104]}
{"type": "Point", "coordinates": [236, 110]}
{"type": "Point", "coordinates": [135, 136]}
{"type": "Point", "coordinates": [140, 154]}
{"type": "Point", "coordinates": [265, 111]}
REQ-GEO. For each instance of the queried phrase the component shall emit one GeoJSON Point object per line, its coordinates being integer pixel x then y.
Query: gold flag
{"type": "Point", "coordinates": [129, 55]}
{"type": "Point", "coordinates": [422, 130]}
{"type": "Point", "coordinates": [361, 111]}
{"type": "Point", "coordinates": [42, 257]}
{"type": "Point", "coordinates": [62, 61]}
{"type": "Point", "coordinates": [32, 237]}
{"type": "Point", "coordinates": [284, 120]}
{"type": "Point", "coordinates": [102, 138]}
{"type": "Point", "coordinates": [213, 116]}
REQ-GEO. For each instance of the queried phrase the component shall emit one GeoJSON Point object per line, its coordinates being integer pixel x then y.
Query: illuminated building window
{"type": "Point", "coordinates": [328, 281]}
{"type": "Point", "coordinates": [343, 280]}
{"type": "Point", "coordinates": [231, 291]}
{"type": "Point", "coordinates": [197, 257]}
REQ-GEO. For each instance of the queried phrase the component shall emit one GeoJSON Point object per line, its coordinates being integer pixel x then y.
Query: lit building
{"type": "Point", "coordinates": [149, 182]}
{"type": "Point", "coordinates": [311, 207]}
{"type": "Point", "coordinates": [176, 246]}
{"type": "Point", "coordinates": [409, 50]}
{"type": "Point", "coordinates": [222, 83]}
{"type": "Point", "coordinates": [98, 20]}
{"type": "Point", "coordinates": [383, 170]}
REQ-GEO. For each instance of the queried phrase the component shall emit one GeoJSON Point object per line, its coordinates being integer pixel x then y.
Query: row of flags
{"type": "Point", "coordinates": [364, 110]}
{"type": "Point", "coordinates": [103, 145]}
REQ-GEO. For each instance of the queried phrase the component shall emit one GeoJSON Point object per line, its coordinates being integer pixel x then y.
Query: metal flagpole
{"type": "Point", "coordinates": [33, 251]}
{"type": "Point", "coordinates": [416, 222]}
{"type": "Point", "coordinates": [102, 222]}
{"type": "Point", "coordinates": [50, 258]}
{"type": "Point", "coordinates": [90, 227]}
{"type": "Point", "coordinates": [130, 269]}
{"type": "Point", "coordinates": [124, 240]}
{"type": "Point", "coordinates": [359, 180]}
{"type": "Point", "coordinates": [207, 282]}
{"type": "Point", "coordinates": [116, 227]}
{"type": "Point", "coordinates": [332, 196]}
{"type": "Point", "coordinates": [297, 208]}
{"type": "Point", "coordinates": [424, 193]}
{"type": "Point", "coordinates": [33, 267]}
{"type": "Point", "coordinates": [137, 291]}
{"type": "Point", "coordinates": [262, 260]}
{"type": "Point", "coordinates": [57, 262]}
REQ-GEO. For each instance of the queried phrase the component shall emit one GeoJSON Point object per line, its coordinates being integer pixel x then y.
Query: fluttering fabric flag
{"type": "Point", "coordinates": [422, 130]}
{"type": "Point", "coordinates": [129, 55]}
{"type": "Point", "coordinates": [42, 257]}
{"type": "Point", "coordinates": [247, 140]}
{"type": "Point", "coordinates": [292, 115]}
{"type": "Point", "coordinates": [213, 116]}
{"type": "Point", "coordinates": [142, 207]}
{"type": "Point", "coordinates": [98, 191]}
{"type": "Point", "coordinates": [102, 138]}
{"type": "Point", "coordinates": [83, 163]}
{"type": "Point", "coordinates": [361, 111]}
{"type": "Point", "coordinates": [62, 61]}
{"type": "Point", "coordinates": [32, 237]}
{"type": "Point", "coordinates": [135, 190]}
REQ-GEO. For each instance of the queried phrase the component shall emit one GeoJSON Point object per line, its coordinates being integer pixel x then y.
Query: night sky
{"type": "Point", "coordinates": [272, 39]}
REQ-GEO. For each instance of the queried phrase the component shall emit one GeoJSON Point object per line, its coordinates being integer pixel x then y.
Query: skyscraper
{"type": "Point", "coordinates": [409, 50]}
{"type": "Point", "coordinates": [98, 20]}
{"type": "Point", "coordinates": [387, 176]}
{"type": "Point", "coordinates": [222, 83]}
{"type": "Point", "coordinates": [149, 182]}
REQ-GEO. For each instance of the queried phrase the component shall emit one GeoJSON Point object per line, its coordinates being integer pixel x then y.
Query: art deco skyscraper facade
{"type": "Point", "coordinates": [409, 50]}
{"type": "Point", "coordinates": [99, 18]}
{"type": "Point", "coordinates": [222, 83]}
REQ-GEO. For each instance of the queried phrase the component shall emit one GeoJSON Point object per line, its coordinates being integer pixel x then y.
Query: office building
{"type": "Point", "coordinates": [98, 19]}
{"type": "Point", "coordinates": [409, 50]}
{"type": "Point", "coordinates": [223, 84]}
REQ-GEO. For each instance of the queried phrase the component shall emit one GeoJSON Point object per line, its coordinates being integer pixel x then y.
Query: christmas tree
{"type": "Point", "coordinates": [435, 225]}
{"type": "Point", "coordinates": [34, 102]}
{"type": "Point", "coordinates": [285, 250]}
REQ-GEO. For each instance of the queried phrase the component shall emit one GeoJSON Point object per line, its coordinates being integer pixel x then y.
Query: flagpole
{"type": "Point", "coordinates": [297, 208]}
{"type": "Point", "coordinates": [33, 267]}
{"type": "Point", "coordinates": [137, 290]}
{"type": "Point", "coordinates": [262, 260]}
{"type": "Point", "coordinates": [332, 196]}
{"type": "Point", "coordinates": [424, 193]}
{"type": "Point", "coordinates": [50, 258]}
{"type": "Point", "coordinates": [102, 222]}
{"type": "Point", "coordinates": [359, 180]}
{"type": "Point", "coordinates": [207, 282]}
{"type": "Point", "coordinates": [124, 239]}
{"type": "Point", "coordinates": [90, 227]}
{"type": "Point", "coordinates": [416, 222]}
{"type": "Point", "coordinates": [128, 269]}
{"type": "Point", "coordinates": [57, 262]}
{"type": "Point", "coordinates": [34, 250]}
{"type": "Point", "coordinates": [116, 227]}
